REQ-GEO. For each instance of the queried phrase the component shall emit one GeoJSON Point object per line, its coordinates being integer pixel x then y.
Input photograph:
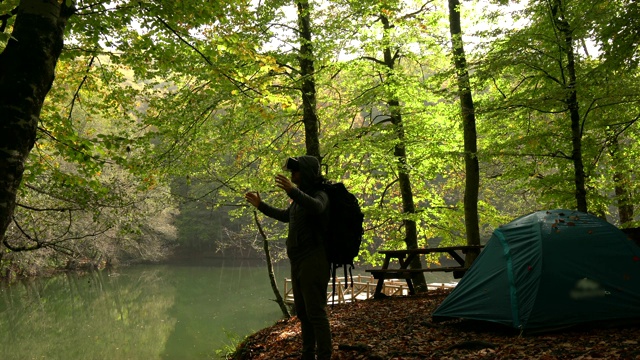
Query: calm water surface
{"type": "Point", "coordinates": [142, 312]}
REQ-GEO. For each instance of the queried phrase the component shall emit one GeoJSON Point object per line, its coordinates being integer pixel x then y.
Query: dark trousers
{"type": "Point", "coordinates": [309, 280]}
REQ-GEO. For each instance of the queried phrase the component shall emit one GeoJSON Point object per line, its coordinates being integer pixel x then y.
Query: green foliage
{"type": "Point", "coordinates": [524, 91]}
{"type": "Point", "coordinates": [186, 106]}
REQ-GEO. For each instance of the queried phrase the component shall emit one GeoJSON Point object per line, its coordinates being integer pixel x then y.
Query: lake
{"type": "Point", "coordinates": [144, 312]}
{"type": "Point", "coordinates": [140, 312]}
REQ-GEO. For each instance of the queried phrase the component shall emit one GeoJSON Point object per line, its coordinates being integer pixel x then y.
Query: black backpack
{"type": "Point", "coordinates": [344, 230]}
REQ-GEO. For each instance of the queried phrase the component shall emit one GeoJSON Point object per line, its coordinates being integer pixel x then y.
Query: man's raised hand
{"type": "Point", "coordinates": [253, 198]}
{"type": "Point", "coordinates": [284, 183]}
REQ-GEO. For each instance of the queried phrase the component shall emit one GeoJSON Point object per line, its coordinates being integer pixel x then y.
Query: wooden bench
{"type": "Point", "coordinates": [405, 257]}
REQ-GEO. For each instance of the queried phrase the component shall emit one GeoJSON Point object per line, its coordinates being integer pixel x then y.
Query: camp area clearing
{"type": "Point", "coordinates": [405, 257]}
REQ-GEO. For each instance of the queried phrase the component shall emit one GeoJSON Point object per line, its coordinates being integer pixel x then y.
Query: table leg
{"type": "Point", "coordinates": [405, 263]}
{"type": "Point", "coordinates": [376, 294]}
{"type": "Point", "coordinates": [410, 286]}
{"type": "Point", "coordinates": [385, 265]}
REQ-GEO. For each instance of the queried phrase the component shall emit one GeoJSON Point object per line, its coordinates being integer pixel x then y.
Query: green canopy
{"type": "Point", "coordinates": [548, 270]}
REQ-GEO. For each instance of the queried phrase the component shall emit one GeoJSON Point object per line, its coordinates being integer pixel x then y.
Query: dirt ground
{"type": "Point", "coordinates": [402, 328]}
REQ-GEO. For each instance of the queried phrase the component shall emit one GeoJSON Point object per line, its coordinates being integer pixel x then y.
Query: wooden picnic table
{"type": "Point", "coordinates": [405, 257]}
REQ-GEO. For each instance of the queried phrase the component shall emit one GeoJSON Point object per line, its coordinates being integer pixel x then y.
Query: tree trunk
{"type": "Point", "coordinates": [308, 85]}
{"type": "Point", "coordinates": [27, 70]}
{"type": "Point", "coordinates": [400, 152]}
{"type": "Point", "coordinates": [561, 23]}
{"type": "Point", "coordinates": [472, 168]}
{"type": "Point", "coordinates": [272, 276]}
{"type": "Point", "coordinates": [621, 182]}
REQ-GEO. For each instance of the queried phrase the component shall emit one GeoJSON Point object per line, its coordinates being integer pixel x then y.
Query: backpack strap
{"type": "Point", "coordinates": [334, 267]}
{"type": "Point", "coordinates": [351, 267]}
{"type": "Point", "coordinates": [346, 279]}
{"type": "Point", "coordinates": [333, 289]}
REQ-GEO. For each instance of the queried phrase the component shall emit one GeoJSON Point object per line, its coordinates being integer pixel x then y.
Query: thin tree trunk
{"type": "Point", "coordinates": [404, 181]}
{"type": "Point", "coordinates": [272, 276]}
{"type": "Point", "coordinates": [621, 183]}
{"type": "Point", "coordinates": [27, 70]}
{"type": "Point", "coordinates": [308, 85]}
{"type": "Point", "coordinates": [472, 168]}
{"type": "Point", "coordinates": [561, 23]}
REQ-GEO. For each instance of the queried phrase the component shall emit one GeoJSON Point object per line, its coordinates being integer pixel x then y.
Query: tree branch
{"type": "Point", "coordinates": [243, 87]}
{"type": "Point", "coordinates": [27, 207]}
{"type": "Point", "coordinates": [77, 93]}
{"type": "Point", "coordinates": [417, 12]}
{"type": "Point", "coordinates": [384, 192]}
{"type": "Point", "coordinates": [370, 58]}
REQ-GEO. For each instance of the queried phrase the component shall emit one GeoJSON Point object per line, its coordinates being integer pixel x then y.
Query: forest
{"type": "Point", "coordinates": [130, 129]}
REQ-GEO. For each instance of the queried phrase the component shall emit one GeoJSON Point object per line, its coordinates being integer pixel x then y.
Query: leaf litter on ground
{"type": "Point", "coordinates": [401, 328]}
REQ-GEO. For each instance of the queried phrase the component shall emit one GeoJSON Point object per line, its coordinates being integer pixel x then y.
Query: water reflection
{"type": "Point", "coordinates": [150, 312]}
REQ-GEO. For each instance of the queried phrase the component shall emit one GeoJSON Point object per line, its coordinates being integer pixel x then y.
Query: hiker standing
{"type": "Point", "coordinates": [307, 215]}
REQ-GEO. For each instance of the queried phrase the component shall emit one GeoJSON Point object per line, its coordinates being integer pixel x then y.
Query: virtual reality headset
{"type": "Point", "coordinates": [292, 164]}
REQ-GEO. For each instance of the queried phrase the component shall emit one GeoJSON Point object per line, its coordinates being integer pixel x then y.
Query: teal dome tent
{"type": "Point", "coordinates": [549, 270]}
